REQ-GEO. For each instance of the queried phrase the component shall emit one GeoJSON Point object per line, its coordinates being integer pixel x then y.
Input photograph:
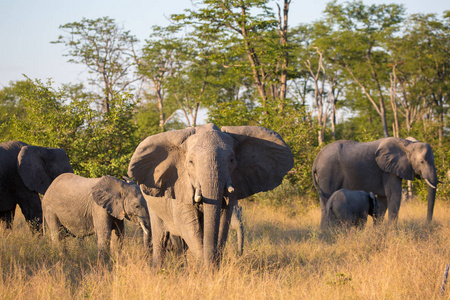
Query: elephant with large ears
{"type": "Point", "coordinates": [25, 172]}
{"type": "Point", "coordinates": [84, 206]}
{"type": "Point", "coordinates": [192, 179]}
{"type": "Point", "coordinates": [379, 167]}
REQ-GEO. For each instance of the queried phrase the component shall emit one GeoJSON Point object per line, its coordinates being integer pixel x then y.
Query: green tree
{"type": "Point", "coordinates": [109, 140]}
{"type": "Point", "coordinates": [97, 144]}
{"type": "Point", "coordinates": [107, 50]}
{"type": "Point", "coordinates": [426, 59]}
{"type": "Point", "coordinates": [248, 30]}
{"type": "Point", "coordinates": [358, 42]}
{"type": "Point", "coordinates": [156, 64]}
{"type": "Point", "coordinates": [48, 119]}
{"type": "Point", "coordinates": [11, 104]}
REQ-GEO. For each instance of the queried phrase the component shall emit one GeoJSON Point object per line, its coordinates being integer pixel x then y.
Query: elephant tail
{"type": "Point", "coordinates": [316, 185]}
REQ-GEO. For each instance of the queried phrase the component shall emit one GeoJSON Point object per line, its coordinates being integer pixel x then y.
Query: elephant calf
{"type": "Point", "coordinates": [348, 208]}
{"type": "Point", "coordinates": [84, 206]}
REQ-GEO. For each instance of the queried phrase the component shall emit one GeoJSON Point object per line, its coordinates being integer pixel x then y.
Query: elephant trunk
{"type": "Point", "coordinates": [431, 198]}
{"type": "Point", "coordinates": [431, 179]}
{"type": "Point", "coordinates": [212, 203]}
{"type": "Point", "coordinates": [32, 211]}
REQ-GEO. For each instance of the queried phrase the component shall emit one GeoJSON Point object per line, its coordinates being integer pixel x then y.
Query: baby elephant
{"type": "Point", "coordinates": [348, 208]}
{"type": "Point", "coordinates": [84, 206]}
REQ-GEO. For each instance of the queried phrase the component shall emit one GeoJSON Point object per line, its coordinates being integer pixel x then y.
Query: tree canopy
{"type": "Point", "coordinates": [360, 72]}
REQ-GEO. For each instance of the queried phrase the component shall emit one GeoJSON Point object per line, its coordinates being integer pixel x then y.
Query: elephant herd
{"type": "Point", "coordinates": [189, 181]}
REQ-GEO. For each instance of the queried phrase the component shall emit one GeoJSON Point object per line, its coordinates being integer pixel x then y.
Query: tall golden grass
{"type": "Point", "coordinates": [285, 257]}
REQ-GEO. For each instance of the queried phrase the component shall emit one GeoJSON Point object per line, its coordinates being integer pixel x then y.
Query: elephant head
{"type": "Point", "coordinates": [206, 170]}
{"type": "Point", "coordinates": [408, 158]}
{"type": "Point", "coordinates": [122, 200]}
{"type": "Point", "coordinates": [39, 166]}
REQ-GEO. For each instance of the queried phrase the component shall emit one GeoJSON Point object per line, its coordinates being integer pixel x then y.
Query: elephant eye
{"type": "Point", "coordinates": [138, 206]}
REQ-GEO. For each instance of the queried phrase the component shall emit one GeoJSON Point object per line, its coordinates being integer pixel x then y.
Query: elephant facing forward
{"type": "Point", "coordinates": [192, 179]}
{"type": "Point", "coordinates": [348, 208]}
{"type": "Point", "coordinates": [84, 206]}
{"type": "Point", "coordinates": [378, 166]}
{"type": "Point", "coordinates": [25, 172]}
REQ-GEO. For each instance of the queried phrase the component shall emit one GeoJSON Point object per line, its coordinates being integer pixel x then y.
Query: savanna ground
{"type": "Point", "coordinates": [285, 257]}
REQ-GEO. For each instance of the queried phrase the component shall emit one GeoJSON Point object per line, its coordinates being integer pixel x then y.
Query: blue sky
{"type": "Point", "coordinates": [28, 26]}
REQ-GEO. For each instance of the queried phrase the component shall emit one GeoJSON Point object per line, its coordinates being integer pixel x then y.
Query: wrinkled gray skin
{"type": "Point", "coordinates": [377, 166]}
{"type": "Point", "coordinates": [348, 208]}
{"type": "Point", "coordinates": [25, 172]}
{"type": "Point", "coordinates": [84, 206]}
{"type": "Point", "coordinates": [192, 179]}
{"type": "Point", "coordinates": [176, 244]}
{"type": "Point", "coordinates": [237, 225]}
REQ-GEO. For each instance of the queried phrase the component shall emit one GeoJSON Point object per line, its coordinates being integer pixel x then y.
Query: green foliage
{"type": "Point", "coordinates": [45, 119]}
{"type": "Point", "coordinates": [147, 121]}
{"type": "Point", "coordinates": [293, 123]}
{"type": "Point", "coordinates": [96, 143]}
{"type": "Point", "coordinates": [11, 104]}
{"type": "Point", "coordinates": [106, 49]}
{"type": "Point", "coordinates": [109, 140]}
{"type": "Point", "coordinates": [233, 113]}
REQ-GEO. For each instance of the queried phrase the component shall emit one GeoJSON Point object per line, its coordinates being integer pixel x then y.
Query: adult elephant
{"type": "Point", "coordinates": [25, 172]}
{"type": "Point", "coordinates": [192, 179]}
{"type": "Point", "coordinates": [379, 167]}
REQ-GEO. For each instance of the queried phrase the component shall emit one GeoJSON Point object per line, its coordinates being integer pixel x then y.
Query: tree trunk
{"type": "Point", "coordinates": [284, 42]}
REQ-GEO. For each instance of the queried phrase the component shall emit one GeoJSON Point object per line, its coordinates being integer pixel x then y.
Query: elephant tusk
{"type": "Point", "coordinates": [429, 183]}
{"type": "Point", "coordinates": [198, 195]}
{"type": "Point", "coordinates": [230, 189]}
{"type": "Point", "coordinates": [143, 228]}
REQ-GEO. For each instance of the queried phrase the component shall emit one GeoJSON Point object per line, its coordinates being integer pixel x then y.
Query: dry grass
{"type": "Point", "coordinates": [284, 258]}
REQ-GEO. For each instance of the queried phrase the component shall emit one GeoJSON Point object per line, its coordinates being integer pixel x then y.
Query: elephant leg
{"type": "Point", "coordinates": [31, 207]}
{"type": "Point", "coordinates": [103, 226]}
{"type": "Point", "coordinates": [323, 209]}
{"type": "Point", "coordinates": [382, 200]}
{"type": "Point", "coordinates": [225, 218]}
{"type": "Point", "coordinates": [7, 217]}
{"type": "Point", "coordinates": [237, 224]}
{"type": "Point", "coordinates": [361, 222]}
{"type": "Point", "coordinates": [188, 221]}
{"type": "Point", "coordinates": [117, 237]}
{"type": "Point", "coordinates": [393, 192]}
{"type": "Point", "coordinates": [177, 245]}
{"type": "Point", "coordinates": [54, 227]}
{"type": "Point", "coordinates": [158, 239]}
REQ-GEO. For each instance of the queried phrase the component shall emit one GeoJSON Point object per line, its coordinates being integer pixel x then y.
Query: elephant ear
{"type": "Point", "coordinates": [391, 156]}
{"type": "Point", "coordinates": [108, 193]}
{"type": "Point", "coordinates": [30, 164]}
{"type": "Point", "coordinates": [156, 162]}
{"type": "Point", "coordinates": [263, 159]}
